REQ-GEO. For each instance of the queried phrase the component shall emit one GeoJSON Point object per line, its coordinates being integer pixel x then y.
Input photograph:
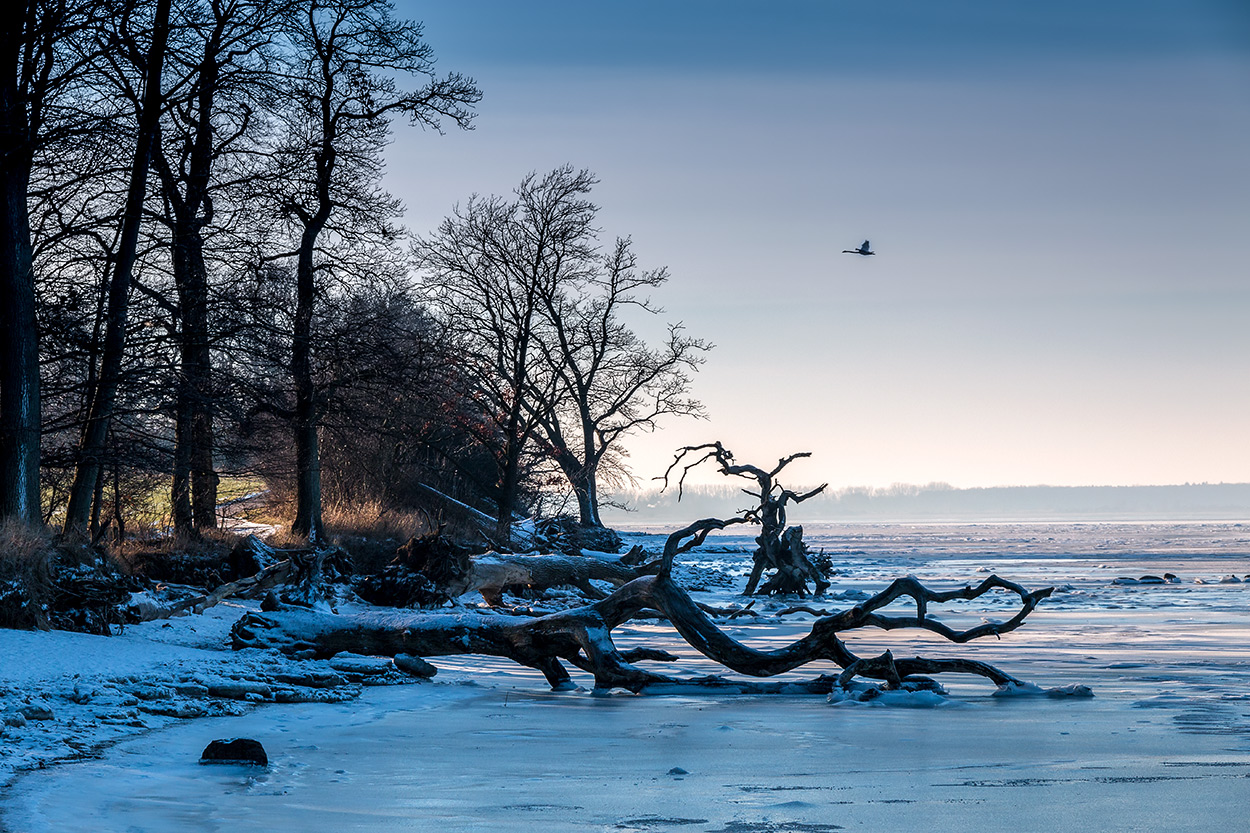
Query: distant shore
{"type": "Point", "coordinates": [942, 503]}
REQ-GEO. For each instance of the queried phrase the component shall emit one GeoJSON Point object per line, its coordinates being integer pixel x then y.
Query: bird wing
{"type": "Point", "coordinates": [865, 247]}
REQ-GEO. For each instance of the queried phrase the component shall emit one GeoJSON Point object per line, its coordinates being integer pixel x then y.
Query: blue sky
{"type": "Point", "coordinates": [1059, 195]}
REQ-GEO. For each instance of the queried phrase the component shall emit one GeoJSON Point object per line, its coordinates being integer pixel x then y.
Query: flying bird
{"type": "Point", "coordinates": [862, 250]}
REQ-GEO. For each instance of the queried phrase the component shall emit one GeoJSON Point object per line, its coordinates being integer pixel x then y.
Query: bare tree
{"type": "Point", "coordinates": [224, 73]}
{"type": "Point", "coordinates": [540, 308]}
{"type": "Point", "coordinates": [150, 61]}
{"type": "Point", "coordinates": [342, 95]}
{"type": "Point", "coordinates": [779, 548]}
{"type": "Point", "coordinates": [610, 382]}
{"type": "Point", "coordinates": [488, 267]}
{"type": "Point", "coordinates": [45, 46]}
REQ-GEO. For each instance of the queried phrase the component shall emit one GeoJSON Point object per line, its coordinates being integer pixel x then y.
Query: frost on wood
{"type": "Point", "coordinates": [582, 637]}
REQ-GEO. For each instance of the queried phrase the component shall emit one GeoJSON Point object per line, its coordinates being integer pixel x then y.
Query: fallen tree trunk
{"type": "Point", "coordinates": [489, 574]}
{"type": "Point", "coordinates": [582, 636]}
{"type": "Point", "coordinates": [452, 570]}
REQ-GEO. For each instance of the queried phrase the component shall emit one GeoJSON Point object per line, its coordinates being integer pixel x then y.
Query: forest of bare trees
{"type": "Point", "coordinates": [203, 276]}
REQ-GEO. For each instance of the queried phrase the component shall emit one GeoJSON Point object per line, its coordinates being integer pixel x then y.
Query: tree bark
{"type": "Point", "coordinates": [581, 477]}
{"type": "Point", "coordinates": [191, 210]}
{"type": "Point", "coordinates": [195, 480]}
{"type": "Point", "coordinates": [19, 339]}
{"type": "Point", "coordinates": [489, 574]}
{"type": "Point", "coordinates": [509, 486]}
{"type": "Point", "coordinates": [307, 417]}
{"type": "Point", "coordinates": [19, 346]}
{"type": "Point", "coordinates": [582, 637]}
{"type": "Point", "coordinates": [100, 415]}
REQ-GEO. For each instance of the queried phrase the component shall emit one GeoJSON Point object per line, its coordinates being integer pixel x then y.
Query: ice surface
{"type": "Point", "coordinates": [1164, 744]}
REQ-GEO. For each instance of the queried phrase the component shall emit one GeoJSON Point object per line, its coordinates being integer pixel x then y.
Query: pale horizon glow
{"type": "Point", "coordinates": [1059, 198]}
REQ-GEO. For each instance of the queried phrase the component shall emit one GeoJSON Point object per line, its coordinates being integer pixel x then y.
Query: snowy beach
{"type": "Point", "coordinates": [1164, 744]}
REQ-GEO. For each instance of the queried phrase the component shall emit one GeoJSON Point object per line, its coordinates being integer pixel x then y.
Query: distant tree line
{"type": "Point", "coordinates": [201, 273]}
{"type": "Point", "coordinates": [943, 502]}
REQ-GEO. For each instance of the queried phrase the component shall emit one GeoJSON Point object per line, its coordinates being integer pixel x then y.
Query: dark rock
{"type": "Point", "coordinates": [415, 666]}
{"type": "Point", "coordinates": [677, 771]}
{"type": "Point", "coordinates": [36, 711]}
{"type": "Point", "coordinates": [235, 751]}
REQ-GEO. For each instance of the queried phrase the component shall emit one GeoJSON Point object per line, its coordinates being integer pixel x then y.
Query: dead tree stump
{"type": "Point", "coordinates": [777, 548]}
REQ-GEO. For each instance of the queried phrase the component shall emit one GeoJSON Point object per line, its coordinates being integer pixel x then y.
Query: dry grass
{"type": "Point", "coordinates": [26, 557]}
{"type": "Point", "coordinates": [370, 531]}
{"type": "Point", "coordinates": [175, 542]}
{"type": "Point", "coordinates": [373, 520]}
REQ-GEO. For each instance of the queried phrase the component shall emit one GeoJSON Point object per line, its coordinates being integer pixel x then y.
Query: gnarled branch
{"type": "Point", "coordinates": [582, 636]}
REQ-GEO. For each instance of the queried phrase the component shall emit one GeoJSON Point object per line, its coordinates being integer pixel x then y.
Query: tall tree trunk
{"type": "Point", "coordinates": [180, 488]}
{"type": "Point", "coordinates": [19, 339]}
{"type": "Point", "coordinates": [19, 352]}
{"type": "Point", "coordinates": [585, 482]}
{"type": "Point", "coordinates": [585, 490]}
{"type": "Point", "coordinates": [509, 484]}
{"type": "Point", "coordinates": [191, 209]}
{"type": "Point", "coordinates": [510, 473]}
{"type": "Point", "coordinates": [100, 416]}
{"type": "Point", "coordinates": [307, 450]}
{"type": "Point", "coordinates": [581, 477]}
{"type": "Point", "coordinates": [195, 481]}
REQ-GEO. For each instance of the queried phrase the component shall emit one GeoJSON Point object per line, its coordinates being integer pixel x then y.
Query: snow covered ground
{"type": "Point", "coordinates": [1164, 745]}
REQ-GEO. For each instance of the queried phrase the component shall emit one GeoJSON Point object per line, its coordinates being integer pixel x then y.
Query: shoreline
{"type": "Point", "coordinates": [83, 694]}
{"type": "Point", "coordinates": [1164, 651]}
{"type": "Point", "coordinates": [465, 758]}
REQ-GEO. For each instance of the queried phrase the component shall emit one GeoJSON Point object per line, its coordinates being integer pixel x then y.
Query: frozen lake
{"type": "Point", "coordinates": [1164, 745]}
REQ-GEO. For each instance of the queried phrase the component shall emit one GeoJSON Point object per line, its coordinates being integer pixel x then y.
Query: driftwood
{"type": "Point", "coordinates": [582, 636]}
{"type": "Point", "coordinates": [297, 576]}
{"type": "Point", "coordinates": [429, 570]}
{"type": "Point", "coordinates": [778, 549]}
{"type": "Point", "coordinates": [489, 574]}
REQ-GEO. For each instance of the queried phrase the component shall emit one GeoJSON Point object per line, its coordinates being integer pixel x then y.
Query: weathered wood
{"type": "Point", "coordinates": [489, 574]}
{"type": "Point", "coordinates": [454, 570]}
{"type": "Point", "coordinates": [778, 548]}
{"type": "Point", "coordinates": [582, 636]}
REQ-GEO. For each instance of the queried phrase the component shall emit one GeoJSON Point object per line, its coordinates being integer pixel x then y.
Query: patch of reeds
{"type": "Point", "coordinates": [371, 531]}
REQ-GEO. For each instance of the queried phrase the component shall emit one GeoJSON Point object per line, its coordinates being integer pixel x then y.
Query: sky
{"type": "Point", "coordinates": [1058, 195]}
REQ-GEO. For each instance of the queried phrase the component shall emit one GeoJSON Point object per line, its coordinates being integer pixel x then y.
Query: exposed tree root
{"type": "Point", "coordinates": [779, 549]}
{"type": "Point", "coordinates": [582, 636]}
